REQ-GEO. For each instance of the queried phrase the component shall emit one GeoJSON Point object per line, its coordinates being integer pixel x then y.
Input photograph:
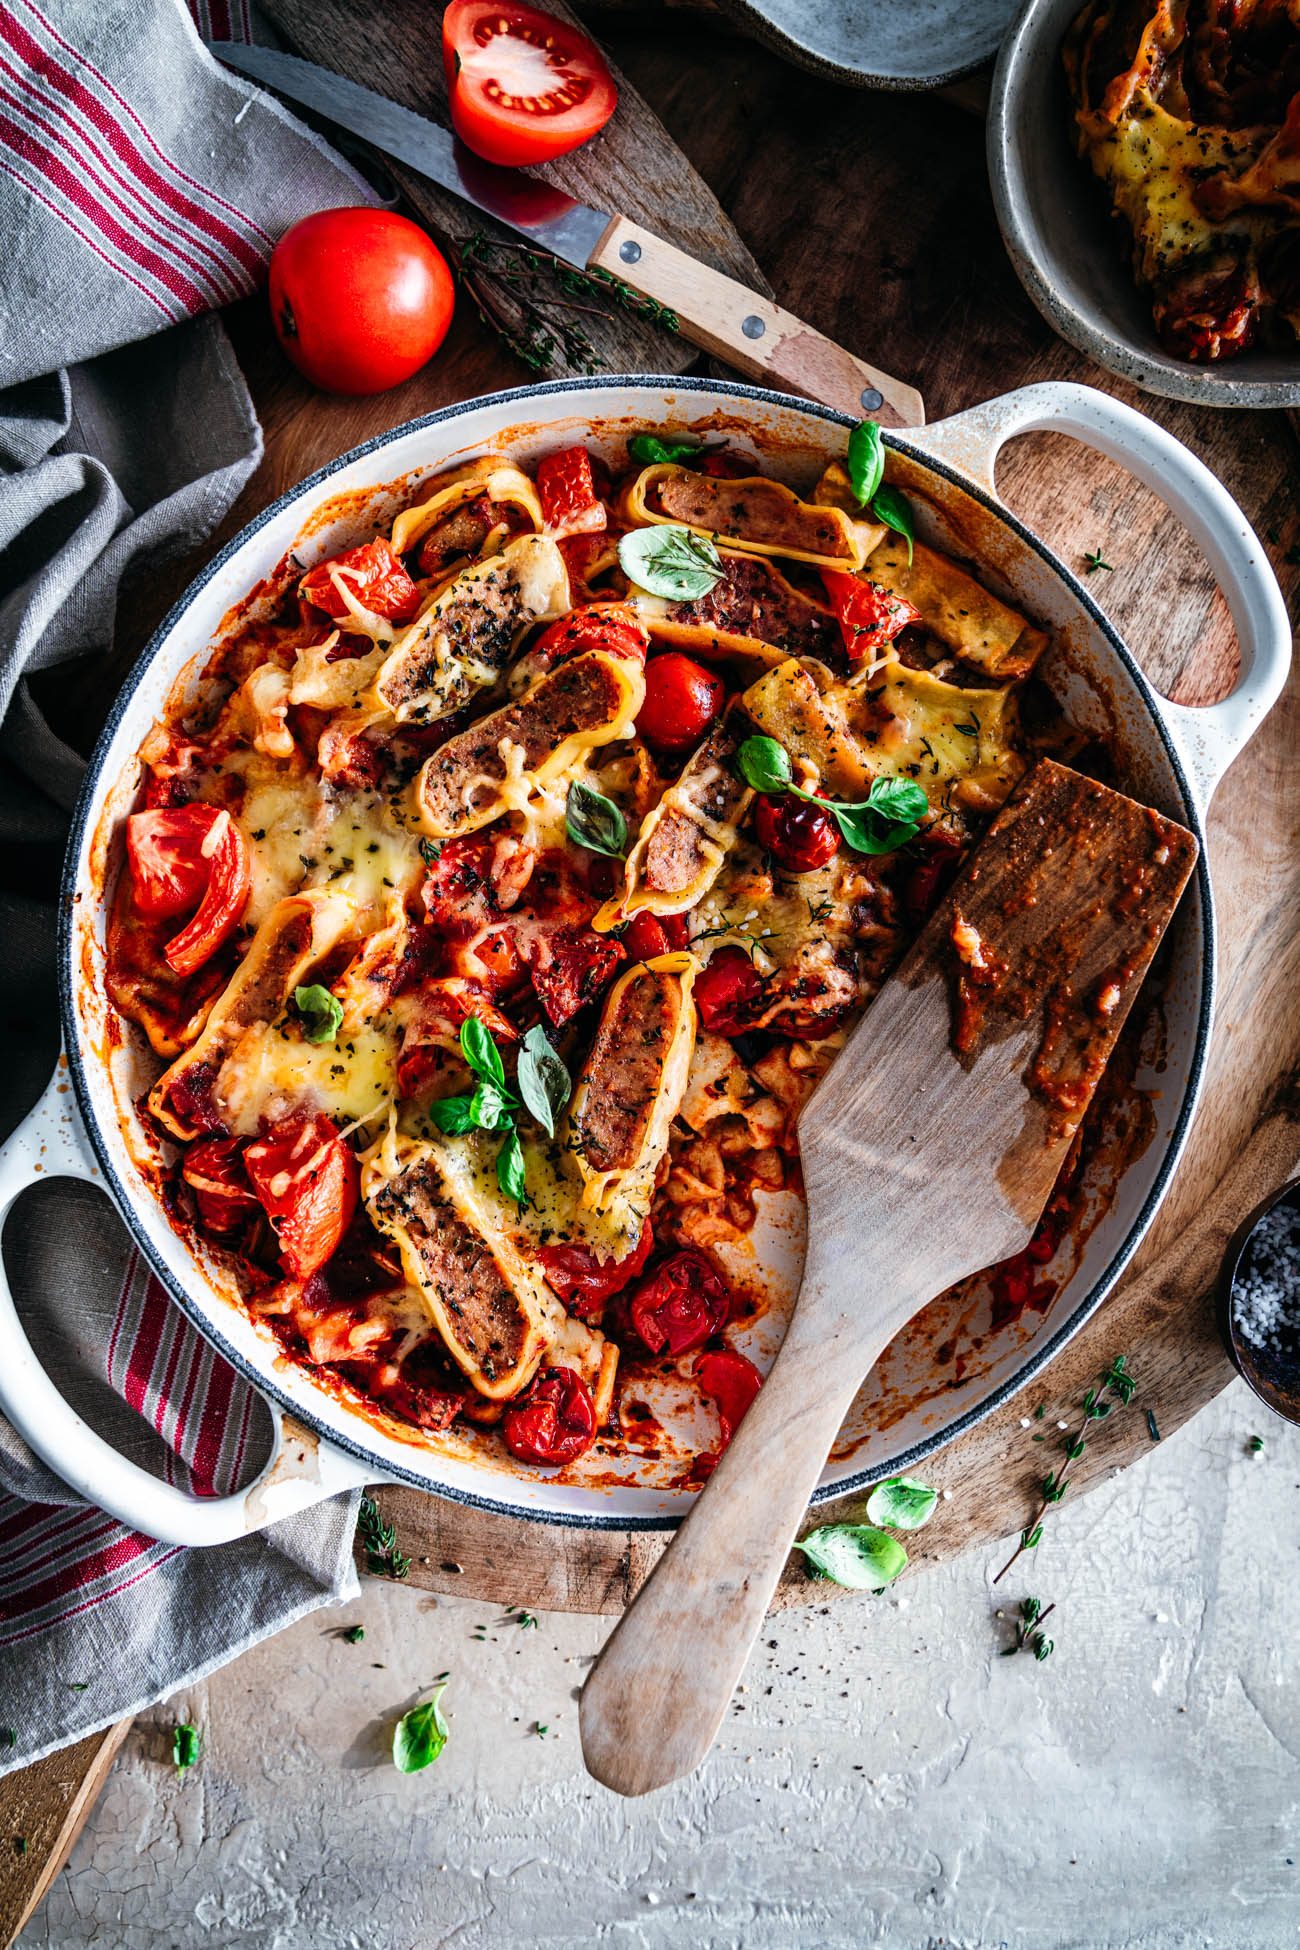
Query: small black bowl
{"type": "Point", "coordinates": [1264, 1253]}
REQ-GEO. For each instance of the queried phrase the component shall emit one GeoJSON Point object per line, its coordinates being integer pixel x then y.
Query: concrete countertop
{"type": "Point", "coordinates": [885, 1777]}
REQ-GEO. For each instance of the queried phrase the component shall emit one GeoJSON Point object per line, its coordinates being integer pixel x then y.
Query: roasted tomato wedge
{"type": "Point", "coordinates": [612, 627]}
{"type": "Point", "coordinates": [648, 935]}
{"type": "Point", "coordinates": [375, 578]}
{"type": "Point", "coordinates": [680, 1305]}
{"type": "Point", "coordinates": [726, 991]}
{"type": "Point", "coordinates": [870, 617]}
{"type": "Point", "coordinates": [556, 1421]}
{"type": "Point", "coordinates": [566, 489]}
{"type": "Point", "coordinates": [307, 1179]}
{"type": "Point", "coordinates": [523, 86]}
{"type": "Point", "coordinates": [570, 967]}
{"type": "Point", "coordinates": [180, 855]}
{"type": "Point", "coordinates": [732, 1382]}
{"type": "Point", "coordinates": [213, 1168]}
{"type": "Point", "coordinates": [800, 837]}
{"type": "Point", "coordinates": [682, 699]}
{"type": "Point", "coordinates": [585, 1283]}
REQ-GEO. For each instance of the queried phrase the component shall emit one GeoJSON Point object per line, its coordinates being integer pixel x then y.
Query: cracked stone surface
{"type": "Point", "coordinates": [884, 1776]}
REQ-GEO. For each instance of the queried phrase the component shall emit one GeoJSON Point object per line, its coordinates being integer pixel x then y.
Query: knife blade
{"type": "Point", "coordinates": [714, 311]}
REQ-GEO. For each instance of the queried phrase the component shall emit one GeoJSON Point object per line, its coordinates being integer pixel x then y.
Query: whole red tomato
{"type": "Point", "coordinates": [682, 699]}
{"type": "Point", "coordinates": [360, 299]}
{"type": "Point", "coordinates": [523, 85]}
{"type": "Point", "coordinates": [801, 837]}
{"type": "Point", "coordinates": [680, 1304]}
{"type": "Point", "coordinates": [555, 1422]}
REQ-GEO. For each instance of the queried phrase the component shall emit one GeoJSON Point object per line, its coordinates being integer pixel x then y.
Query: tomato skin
{"type": "Point", "coordinates": [612, 627]}
{"type": "Point", "coordinates": [648, 935]}
{"type": "Point", "coordinates": [307, 1180]}
{"type": "Point", "coordinates": [726, 989]}
{"type": "Point", "coordinates": [570, 967]}
{"type": "Point", "coordinates": [732, 1381]}
{"type": "Point", "coordinates": [583, 1282]}
{"type": "Point", "coordinates": [564, 95]}
{"type": "Point", "coordinates": [930, 879]}
{"type": "Point", "coordinates": [567, 492]}
{"type": "Point", "coordinates": [556, 1421]}
{"type": "Point", "coordinates": [376, 579]}
{"type": "Point", "coordinates": [213, 1168]}
{"type": "Point", "coordinates": [181, 854]}
{"type": "Point", "coordinates": [360, 299]}
{"type": "Point", "coordinates": [682, 1304]}
{"type": "Point", "coordinates": [870, 617]}
{"type": "Point", "coordinates": [801, 837]}
{"type": "Point", "coordinates": [682, 699]}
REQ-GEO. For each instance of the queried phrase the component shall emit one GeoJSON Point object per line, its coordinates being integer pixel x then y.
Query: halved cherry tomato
{"type": "Point", "coordinates": [612, 627]}
{"type": "Point", "coordinates": [213, 1168]}
{"type": "Point", "coordinates": [682, 699]}
{"type": "Point", "coordinates": [732, 1381]}
{"type": "Point", "coordinates": [680, 1305]}
{"type": "Point", "coordinates": [930, 878]}
{"type": "Point", "coordinates": [523, 86]}
{"type": "Point", "coordinates": [648, 935]}
{"type": "Point", "coordinates": [567, 492]}
{"type": "Point", "coordinates": [307, 1179]}
{"type": "Point", "coordinates": [360, 298]}
{"type": "Point", "coordinates": [726, 989]}
{"type": "Point", "coordinates": [570, 967]}
{"type": "Point", "coordinates": [583, 1282]}
{"type": "Point", "coordinates": [375, 578]}
{"type": "Point", "coordinates": [800, 836]}
{"type": "Point", "coordinates": [180, 854]}
{"type": "Point", "coordinates": [556, 1421]}
{"type": "Point", "coordinates": [870, 617]}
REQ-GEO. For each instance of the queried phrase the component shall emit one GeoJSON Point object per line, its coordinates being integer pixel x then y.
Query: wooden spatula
{"type": "Point", "coordinates": [928, 1153]}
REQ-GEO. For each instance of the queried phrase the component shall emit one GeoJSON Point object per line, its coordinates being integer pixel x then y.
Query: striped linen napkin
{"type": "Point", "coordinates": [140, 188]}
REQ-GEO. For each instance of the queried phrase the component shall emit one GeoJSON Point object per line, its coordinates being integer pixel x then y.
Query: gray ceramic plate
{"type": "Point", "coordinates": [880, 43]}
{"type": "Point", "coordinates": [1059, 234]}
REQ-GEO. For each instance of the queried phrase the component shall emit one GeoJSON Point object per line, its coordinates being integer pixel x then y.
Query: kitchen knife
{"type": "Point", "coordinates": [713, 311]}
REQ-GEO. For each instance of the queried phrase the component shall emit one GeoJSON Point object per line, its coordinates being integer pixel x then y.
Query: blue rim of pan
{"type": "Point", "coordinates": [123, 1196]}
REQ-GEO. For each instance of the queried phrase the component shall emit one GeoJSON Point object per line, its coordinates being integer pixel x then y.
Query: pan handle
{"type": "Point", "coordinates": [1209, 736]}
{"type": "Point", "coordinates": [301, 1471]}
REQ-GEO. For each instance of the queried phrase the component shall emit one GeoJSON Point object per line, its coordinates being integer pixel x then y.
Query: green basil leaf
{"type": "Point", "coordinates": [886, 819]}
{"type": "Point", "coordinates": [891, 505]}
{"type": "Point", "coordinates": [651, 451]}
{"type": "Point", "coordinates": [764, 764]}
{"type": "Point", "coordinates": [866, 461]}
{"type": "Point", "coordinates": [510, 1168]}
{"type": "Point", "coordinates": [480, 1051]}
{"type": "Point", "coordinates": [491, 1108]}
{"type": "Point", "coordinates": [854, 1555]}
{"type": "Point", "coordinates": [420, 1735]}
{"type": "Point", "coordinates": [321, 1012]}
{"type": "Point", "coordinates": [187, 1745]}
{"type": "Point", "coordinates": [670, 560]}
{"type": "Point", "coordinates": [594, 821]}
{"type": "Point", "coordinates": [544, 1081]}
{"type": "Point", "coordinates": [454, 1115]}
{"type": "Point", "coordinates": [902, 1502]}
{"type": "Point", "coordinates": [898, 799]}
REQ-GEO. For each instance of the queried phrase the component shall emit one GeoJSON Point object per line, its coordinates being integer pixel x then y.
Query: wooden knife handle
{"type": "Point", "coordinates": [762, 340]}
{"type": "Point", "coordinates": [655, 1698]}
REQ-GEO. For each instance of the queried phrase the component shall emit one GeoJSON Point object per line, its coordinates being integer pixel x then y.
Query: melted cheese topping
{"type": "Point", "coordinates": [1152, 162]}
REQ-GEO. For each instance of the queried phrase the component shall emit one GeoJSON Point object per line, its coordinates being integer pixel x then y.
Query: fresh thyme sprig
{"type": "Point", "coordinates": [1029, 1634]}
{"type": "Point", "coordinates": [1114, 1389]}
{"type": "Point", "coordinates": [538, 286]}
{"type": "Point", "coordinates": [379, 1542]}
{"type": "Point", "coordinates": [1095, 560]}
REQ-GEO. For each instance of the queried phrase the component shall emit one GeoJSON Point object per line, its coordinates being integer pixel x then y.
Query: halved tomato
{"type": "Point", "coordinates": [183, 855]}
{"type": "Point", "coordinates": [566, 488]}
{"type": "Point", "coordinates": [870, 617]}
{"type": "Point", "coordinates": [732, 1381]}
{"type": "Point", "coordinates": [307, 1179]}
{"type": "Point", "coordinates": [523, 86]}
{"type": "Point", "coordinates": [213, 1168]}
{"type": "Point", "coordinates": [614, 628]}
{"type": "Point", "coordinates": [375, 578]}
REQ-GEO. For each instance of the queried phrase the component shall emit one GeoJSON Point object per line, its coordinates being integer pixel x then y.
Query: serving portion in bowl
{"type": "Point", "coordinates": [485, 862]}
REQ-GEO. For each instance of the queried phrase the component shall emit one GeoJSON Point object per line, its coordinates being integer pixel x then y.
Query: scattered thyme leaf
{"type": "Point", "coordinates": [1094, 560]}
{"type": "Point", "coordinates": [354, 1634]}
{"type": "Point", "coordinates": [187, 1745]}
{"type": "Point", "coordinates": [379, 1542]}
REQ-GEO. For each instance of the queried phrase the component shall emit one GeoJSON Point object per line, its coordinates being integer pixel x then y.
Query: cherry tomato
{"type": "Point", "coordinates": [801, 837]}
{"type": "Point", "coordinates": [570, 967]}
{"type": "Point", "coordinates": [375, 578]}
{"type": "Point", "coordinates": [732, 1381]}
{"type": "Point", "coordinates": [682, 699]}
{"type": "Point", "coordinates": [613, 627]}
{"type": "Point", "coordinates": [870, 617]}
{"type": "Point", "coordinates": [523, 86]}
{"type": "Point", "coordinates": [583, 1282]}
{"type": "Point", "coordinates": [567, 492]}
{"type": "Point", "coordinates": [680, 1305]}
{"type": "Point", "coordinates": [360, 299]}
{"type": "Point", "coordinates": [930, 878]}
{"type": "Point", "coordinates": [648, 935]}
{"type": "Point", "coordinates": [180, 854]}
{"type": "Point", "coordinates": [307, 1179]}
{"type": "Point", "coordinates": [556, 1421]}
{"type": "Point", "coordinates": [213, 1168]}
{"type": "Point", "coordinates": [726, 989]}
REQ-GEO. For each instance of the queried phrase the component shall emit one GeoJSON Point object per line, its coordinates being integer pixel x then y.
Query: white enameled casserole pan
{"type": "Point", "coordinates": [1170, 755]}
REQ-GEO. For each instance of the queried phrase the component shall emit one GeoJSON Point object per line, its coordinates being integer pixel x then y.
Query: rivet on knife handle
{"type": "Point", "coordinates": [750, 332]}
